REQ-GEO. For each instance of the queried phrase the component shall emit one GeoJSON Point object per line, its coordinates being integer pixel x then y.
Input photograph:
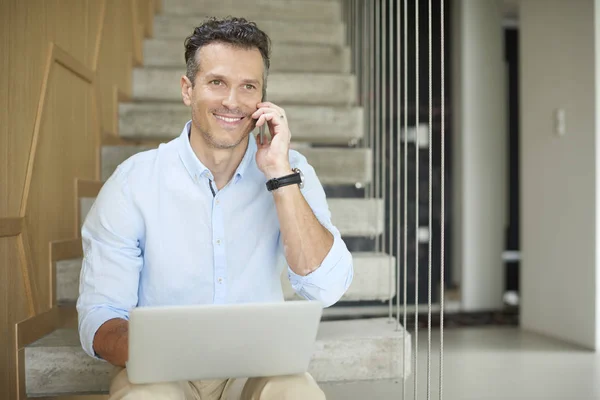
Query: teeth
{"type": "Point", "coordinates": [227, 119]}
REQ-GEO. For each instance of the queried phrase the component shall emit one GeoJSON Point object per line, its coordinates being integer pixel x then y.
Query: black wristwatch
{"type": "Point", "coordinates": [296, 178]}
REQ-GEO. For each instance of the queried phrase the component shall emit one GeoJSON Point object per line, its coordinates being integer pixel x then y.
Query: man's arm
{"type": "Point", "coordinates": [306, 242]}
{"type": "Point", "coordinates": [111, 341]}
{"type": "Point", "coordinates": [110, 272]}
{"type": "Point", "coordinates": [320, 265]}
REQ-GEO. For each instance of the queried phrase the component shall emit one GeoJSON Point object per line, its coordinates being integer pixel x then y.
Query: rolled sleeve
{"type": "Point", "coordinates": [331, 280]}
{"type": "Point", "coordinates": [112, 262]}
{"type": "Point", "coordinates": [92, 320]}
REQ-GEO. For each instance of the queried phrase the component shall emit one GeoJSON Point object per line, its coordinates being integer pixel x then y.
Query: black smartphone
{"type": "Point", "coordinates": [261, 129]}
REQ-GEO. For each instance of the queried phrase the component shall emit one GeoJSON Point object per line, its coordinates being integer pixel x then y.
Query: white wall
{"type": "Point", "coordinates": [559, 179]}
{"type": "Point", "coordinates": [479, 155]}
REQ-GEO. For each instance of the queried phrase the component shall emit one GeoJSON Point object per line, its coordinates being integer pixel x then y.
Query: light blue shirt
{"type": "Point", "coordinates": [160, 233]}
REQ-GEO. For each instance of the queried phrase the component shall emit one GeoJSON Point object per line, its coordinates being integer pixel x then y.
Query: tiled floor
{"type": "Point", "coordinates": [492, 364]}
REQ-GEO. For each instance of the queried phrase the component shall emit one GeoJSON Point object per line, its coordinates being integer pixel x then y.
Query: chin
{"type": "Point", "coordinates": [225, 140]}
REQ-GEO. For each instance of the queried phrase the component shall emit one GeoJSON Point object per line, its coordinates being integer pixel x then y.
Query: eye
{"type": "Point", "coordinates": [216, 82]}
{"type": "Point", "coordinates": [250, 87]}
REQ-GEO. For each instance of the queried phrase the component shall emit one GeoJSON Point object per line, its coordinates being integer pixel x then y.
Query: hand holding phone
{"type": "Point", "coordinates": [272, 156]}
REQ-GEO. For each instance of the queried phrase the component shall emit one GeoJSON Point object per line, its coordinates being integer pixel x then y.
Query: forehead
{"type": "Point", "coordinates": [229, 60]}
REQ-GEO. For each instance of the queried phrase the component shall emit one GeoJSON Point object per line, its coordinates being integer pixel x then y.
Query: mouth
{"type": "Point", "coordinates": [228, 121]}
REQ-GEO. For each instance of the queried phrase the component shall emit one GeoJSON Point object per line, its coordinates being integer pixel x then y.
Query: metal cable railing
{"type": "Point", "coordinates": [389, 57]}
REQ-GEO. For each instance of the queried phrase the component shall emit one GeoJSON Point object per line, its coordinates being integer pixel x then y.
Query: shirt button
{"type": "Point", "coordinates": [218, 202]}
{"type": "Point", "coordinates": [219, 241]}
{"type": "Point", "coordinates": [220, 280]}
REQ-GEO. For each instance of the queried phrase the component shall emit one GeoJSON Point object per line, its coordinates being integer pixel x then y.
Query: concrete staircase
{"type": "Point", "coordinates": [309, 123]}
{"type": "Point", "coordinates": [311, 80]}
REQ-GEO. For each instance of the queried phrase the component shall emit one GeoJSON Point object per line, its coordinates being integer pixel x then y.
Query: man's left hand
{"type": "Point", "coordinates": [272, 157]}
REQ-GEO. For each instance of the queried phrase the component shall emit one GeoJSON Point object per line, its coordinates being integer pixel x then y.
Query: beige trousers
{"type": "Point", "coordinates": [293, 387]}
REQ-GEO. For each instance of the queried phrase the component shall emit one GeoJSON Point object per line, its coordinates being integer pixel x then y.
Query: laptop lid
{"type": "Point", "coordinates": [175, 343]}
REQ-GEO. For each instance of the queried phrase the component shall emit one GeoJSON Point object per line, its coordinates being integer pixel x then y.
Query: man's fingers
{"type": "Point", "coordinates": [268, 107]}
{"type": "Point", "coordinates": [262, 111]}
{"type": "Point", "coordinates": [271, 116]}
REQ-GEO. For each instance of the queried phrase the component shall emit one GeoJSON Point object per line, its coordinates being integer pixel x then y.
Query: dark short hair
{"type": "Point", "coordinates": [237, 32]}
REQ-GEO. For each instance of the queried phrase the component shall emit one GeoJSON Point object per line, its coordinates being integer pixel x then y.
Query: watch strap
{"type": "Point", "coordinates": [286, 180]}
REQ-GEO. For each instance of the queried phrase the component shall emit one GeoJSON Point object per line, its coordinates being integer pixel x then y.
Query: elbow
{"type": "Point", "coordinates": [90, 319]}
{"type": "Point", "coordinates": [339, 290]}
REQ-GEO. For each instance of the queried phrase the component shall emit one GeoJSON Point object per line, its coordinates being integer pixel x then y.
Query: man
{"type": "Point", "coordinates": [200, 220]}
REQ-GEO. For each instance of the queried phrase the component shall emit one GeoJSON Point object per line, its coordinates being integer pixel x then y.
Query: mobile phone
{"type": "Point", "coordinates": [261, 133]}
{"type": "Point", "coordinates": [261, 129]}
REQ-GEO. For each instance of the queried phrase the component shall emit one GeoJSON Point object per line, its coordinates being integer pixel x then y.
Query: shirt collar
{"type": "Point", "coordinates": [195, 167]}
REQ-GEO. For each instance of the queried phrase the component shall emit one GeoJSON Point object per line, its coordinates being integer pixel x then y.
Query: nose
{"type": "Point", "coordinates": [230, 101]}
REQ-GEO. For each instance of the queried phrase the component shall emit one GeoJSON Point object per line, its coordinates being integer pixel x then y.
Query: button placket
{"type": "Point", "coordinates": [220, 260]}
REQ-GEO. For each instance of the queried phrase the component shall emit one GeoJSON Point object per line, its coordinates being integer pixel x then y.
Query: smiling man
{"type": "Point", "coordinates": [211, 217]}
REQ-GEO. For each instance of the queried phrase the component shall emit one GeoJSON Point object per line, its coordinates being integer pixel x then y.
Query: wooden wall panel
{"type": "Point", "coordinates": [62, 63]}
{"type": "Point", "coordinates": [115, 60]}
{"type": "Point", "coordinates": [11, 226]}
{"type": "Point", "coordinates": [13, 308]}
{"type": "Point", "coordinates": [24, 85]}
{"type": "Point", "coordinates": [95, 15]}
{"type": "Point", "coordinates": [61, 22]}
{"type": "Point", "coordinates": [65, 151]}
{"type": "Point", "coordinates": [4, 101]}
{"type": "Point", "coordinates": [31, 26]}
{"type": "Point", "coordinates": [146, 15]}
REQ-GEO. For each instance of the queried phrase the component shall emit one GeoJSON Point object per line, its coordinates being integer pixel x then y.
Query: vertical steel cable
{"type": "Point", "coordinates": [416, 346]}
{"type": "Point", "coordinates": [368, 88]}
{"type": "Point", "coordinates": [364, 34]}
{"type": "Point", "coordinates": [378, 87]}
{"type": "Point", "coordinates": [399, 198]}
{"type": "Point", "coordinates": [356, 49]}
{"type": "Point", "coordinates": [386, 134]}
{"type": "Point", "coordinates": [349, 14]}
{"type": "Point", "coordinates": [405, 197]}
{"type": "Point", "coordinates": [371, 90]}
{"type": "Point", "coordinates": [384, 117]}
{"type": "Point", "coordinates": [429, 201]}
{"type": "Point", "coordinates": [443, 193]}
{"type": "Point", "coordinates": [365, 62]}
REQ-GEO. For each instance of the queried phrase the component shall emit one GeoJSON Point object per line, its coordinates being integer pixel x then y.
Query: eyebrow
{"type": "Point", "coordinates": [252, 81]}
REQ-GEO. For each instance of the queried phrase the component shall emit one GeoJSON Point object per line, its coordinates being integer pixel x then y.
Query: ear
{"type": "Point", "coordinates": [186, 90]}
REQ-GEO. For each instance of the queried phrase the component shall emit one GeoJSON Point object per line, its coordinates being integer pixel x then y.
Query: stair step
{"type": "Point", "coordinates": [67, 280]}
{"type": "Point", "coordinates": [371, 279]}
{"type": "Point", "coordinates": [285, 57]}
{"type": "Point", "coordinates": [280, 32]}
{"type": "Point", "coordinates": [163, 84]}
{"type": "Point", "coordinates": [352, 217]}
{"type": "Point", "coordinates": [286, 10]}
{"type": "Point", "coordinates": [336, 166]}
{"type": "Point", "coordinates": [323, 125]}
{"type": "Point", "coordinates": [357, 217]}
{"type": "Point", "coordinates": [344, 351]}
{"type": "Point", "coordinates": [57, 364]}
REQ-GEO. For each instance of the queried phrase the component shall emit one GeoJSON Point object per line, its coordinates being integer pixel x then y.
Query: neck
{"type": "Point", "coordinates": [222, 163]}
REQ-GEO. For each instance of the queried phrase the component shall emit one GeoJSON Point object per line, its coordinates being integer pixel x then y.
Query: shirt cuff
{"type": "Point", "coordinates": [91, 322]}
{"type": "Point", "coordinates": [329, 282]}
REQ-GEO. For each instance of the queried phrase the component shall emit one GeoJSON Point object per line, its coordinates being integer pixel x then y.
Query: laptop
{"type": "Point", "coordinates": [179, 343]}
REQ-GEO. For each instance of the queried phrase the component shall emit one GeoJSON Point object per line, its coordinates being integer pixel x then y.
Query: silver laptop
{"type": "Point", "coordinates": [176, 343]}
